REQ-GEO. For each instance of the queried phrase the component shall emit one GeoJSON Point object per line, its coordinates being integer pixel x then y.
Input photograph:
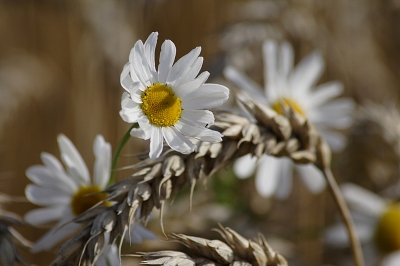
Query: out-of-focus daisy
{"type": "Point", "coordinates": [377, 222]}
{"type": "Point", "coordinates": [68, 193]}
{"type": "Point", "coordinates": [293, 87]}
{"type": "Point", "coordinates": [168, 103]}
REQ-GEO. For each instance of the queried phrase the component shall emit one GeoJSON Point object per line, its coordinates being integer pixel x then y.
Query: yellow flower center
{"type": "Point", "coordinates": [387, 234]}
{"type": "Point", "coordinates": [161, 106]}
{"type": "Point", "coordinates": [277, 106]}
{"type": "Point", "coordinates": [85, 198]}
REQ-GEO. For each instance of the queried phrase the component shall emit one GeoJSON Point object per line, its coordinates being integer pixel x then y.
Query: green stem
{"type": "Point", "coordinates": [120, 146]}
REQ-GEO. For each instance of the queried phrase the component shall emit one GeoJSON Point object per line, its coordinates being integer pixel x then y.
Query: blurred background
{"type": "Point", "coordinates": [60, 63]}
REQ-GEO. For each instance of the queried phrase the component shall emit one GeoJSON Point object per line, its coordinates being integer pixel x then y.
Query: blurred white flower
{"type": "Point", "coordinates": [377, 222]}
{"type": "Point", "coordinates": [293, 87]}
{"type": "Point", "coordinates": [167, 103]}
{"type": "Point", "coordinates": [68, 193]}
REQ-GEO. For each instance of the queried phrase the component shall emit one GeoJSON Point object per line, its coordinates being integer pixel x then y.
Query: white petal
{"type": "Point", "coordinates": [182, 66]}
{"type": "Point", "coordinates": [307, 73]}
{"type": "Point", "coordinates": [140, 133]}
{"type": "Point", "coordinates": [270, 53]}
{"type": "Point", "coordinates": [186, 89]}
{"type": "Point", "coordinates": [285, 60]}
{"type": "Point", "coordinates": [130, 111]}
{"type": "Point", "coordinates": [363, 201]}
{"type": "Point", "coordinates": [312, 177]}
{"type": "Point", "coordinates": [54, 236]}
{"type": "Point", "coordinates": [197, 132]}
{"type": "Point", "coordinates": [72, 159]}
{"type": "Point", "coordinates": [336, 140]}
{"type": "Point", "coordinates": [102, 165]}
{"type": "Point", "coordinates": [156, 143]}
{"type": "Point", "coordinates": [46, 196]}
{"type": "Point", "coordinates": [337, 235]}
{"type": "Point", "coordinates": [43, 177]}
{"type": "Point", "coordinates": [177, 141]}
{"type": "Point", "coordinates": [244, 166]}
{"type": "Point", "coordinates": [198, 117]}
{"type": "Point", "coordinates": [110, 256]}
{"type": "Point", "coordinates": [57, 170]}
{"type": "Point", "coordinates": [167, 57]}
{"type": "Point", "coordinates": [125, 78]}
{"type": "Point", "coordinates": [393, 259]}
{"type": "Point", "coordinates": [144, 130]}
{"type": "Point", "coordinates": [285, 182]}
{"type": "Point", "coordinates": [150, 49]}
{"type": "Point", "coordinates": [44, 215]}
{"type": "Point", "coordinates": [207, 96]}
{"type": "Point", "coordinates": [324, 93]}
{"type": "Point", "coordinates": [191, 73]}
{"type": "Point", "coordinates": [140, 233]}
{"type": "Point", "coordinates": [245, 83]}
{"type": "Point", "coordinates": [267, 175]}
{"type": "Point", "coordinates": [139, 64]}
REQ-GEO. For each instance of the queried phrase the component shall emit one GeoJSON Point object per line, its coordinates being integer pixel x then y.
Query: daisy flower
{"type": "Point", "coordinates": [376, 221]}
{"type": "Point", "coordinates": [68, 193]}
{"type": "Point", "coordinates": [293, 87]}
{"type": "Point", "coordinates": [168, 103]}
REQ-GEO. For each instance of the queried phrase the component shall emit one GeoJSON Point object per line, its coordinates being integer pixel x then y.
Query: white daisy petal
{"type": "Point", "coordinates": [199, 117]}
{"type": "Point", "coordinates": [312, 177]}
{"type": "Point", "coordinates": [139, 64]}
{"type": "Point", "coordinates": [270, 51]}
{"type": "Point", "coordinates": [244, 82]}
{"type": "Point", "coordinates": [336, 140]}
{"type": "Point", "coordinates": [167, 57]}
{"type": "Point", "coordinates": [43, 177]}
{"type": "Point", "coordinates": [337, 235]}
{"type": "Point", "coordinates": [125, 78]}
{"type": "Point", "coordinates": [337, 108]}
{"type": "Point", "coordinates": [325, 92]}
{"type": "Point", "coordinates": [71, 158]}
{"type": "Point", "coordinates": [156, 143]}
{"type": "Point", "coordinates": [139, 233]}
{"type": "Point", "coordinates": [186, 89]}
{"type": "Point", "coordinates": [191, 73]}
{"type": "Point", "coordinates": [110, 256]}
{"type": "Point", "coordinates": [392, 259]}
{"type": "Point", "coordinates": [130, 111]}
{"type": "Point", "coordinates": [244, 166]}
{"type": "Point", "coordinates": [150, 48]}
{"type": "Point", "coordinates": [102, 165]}
{"type": "Point", "coordinates": [286, 60]}
{"type": "Point", "coordinates": [285, 182]}
{"type": "Point", "coordinates": [144, 132]}
{"type": "Point", "coordinates": [203, 134]}
{"type": "Point", "coordinates": [363, 200]}
{"type": "Point", "coordinates": [306, 73]}
{"type": "Point", "coordinates": [182, 66]}
{"type": "Point", "coordinates": [44, 215]}
{"type": "Point", "coordinates": [207, 96]}
{"type": "Point", "coordinates": [267, 175]}
{"type": "Point", "coordinates": [177, 141]}
{"type": "Point", "coordinates": [54, 236]}
{"type": "Point", "coordinates": [46, 196]}
{"type": "Point", "coordinates": [54, 165]}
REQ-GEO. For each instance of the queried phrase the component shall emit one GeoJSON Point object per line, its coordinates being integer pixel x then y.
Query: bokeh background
{"type": "Point", "coordinates": [60, 63]}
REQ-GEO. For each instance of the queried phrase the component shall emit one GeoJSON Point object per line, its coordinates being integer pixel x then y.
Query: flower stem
{"type": "Point", "coordinates": [346, 216]}
{"type": "Point", "coordinates": [120, 146]}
